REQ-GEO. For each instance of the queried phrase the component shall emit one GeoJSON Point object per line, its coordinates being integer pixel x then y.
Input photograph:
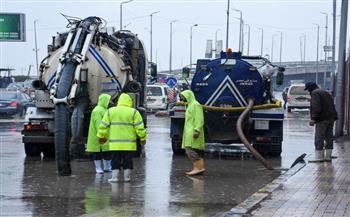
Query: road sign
{"type": "Point", "coordinates": [12, 27]}
{"type": "Point", "coordinates": [327, 48]}
{"type": "Point", "coordinates": [171, 82]}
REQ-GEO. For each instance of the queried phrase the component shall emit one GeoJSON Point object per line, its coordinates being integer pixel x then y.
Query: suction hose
{"type": "Point", "coordinates": [62, 120]}
{"type": "Point", "coordinates": [246, 143]}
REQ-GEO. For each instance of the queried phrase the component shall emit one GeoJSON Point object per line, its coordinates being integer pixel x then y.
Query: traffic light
{"type": "Point", "coordinates": [185, 72]}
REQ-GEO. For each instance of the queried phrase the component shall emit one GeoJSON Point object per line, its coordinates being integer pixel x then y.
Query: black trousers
{"type": "Point", "coordinates": [324, 135]}
{"type": "Point", "coordinates": [106, 155]}
{"type": "Point", "coordinates": [122, 160]}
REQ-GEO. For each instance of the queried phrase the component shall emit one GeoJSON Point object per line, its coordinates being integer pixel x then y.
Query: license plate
{"type": "Point", "coordinates": [261, 124]}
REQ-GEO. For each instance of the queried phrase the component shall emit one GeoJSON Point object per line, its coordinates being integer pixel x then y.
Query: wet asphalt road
{"type": "Point", "coordinates": [30, 187]}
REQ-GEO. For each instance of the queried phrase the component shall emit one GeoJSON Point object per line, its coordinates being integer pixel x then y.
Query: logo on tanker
{"type": "Point", "coordinates": [227, 83]}
{"type": "Point", "coordinates": [247, 82]}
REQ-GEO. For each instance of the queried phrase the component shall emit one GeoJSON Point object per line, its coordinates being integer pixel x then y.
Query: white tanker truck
{"type": "Point", "coordinates": [81, 64]}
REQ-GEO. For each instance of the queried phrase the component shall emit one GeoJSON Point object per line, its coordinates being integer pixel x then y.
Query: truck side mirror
{"type": "Point", "coordinates": [280, 76]}
{"type": "Point", "coordinates": [185, 72]}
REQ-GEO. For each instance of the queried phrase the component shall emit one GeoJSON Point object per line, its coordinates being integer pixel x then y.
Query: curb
{"type": "Point", "coordinates": [251, 202]}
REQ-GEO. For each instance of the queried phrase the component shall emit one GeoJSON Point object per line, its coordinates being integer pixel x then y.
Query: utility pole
{"type": "Point", "coordinates": [227, 22]}
{"type": "Point", "coordinates": [339, 94]}
{"type": "Point", "coordinates": [151, 16]}
{"type": "Point", "coordinates": [171, 45]}
{"type": "Point", "coordinates": [317, 50]}
{"type": "Point", "coordinates": [36, 49]}
{"type": "Point", "coordinates": [301, 50]}
{"type": "Point", "coordinates": [333, 47]}
{"type": "Point", "coordinates": [273, 36]}
{"type": "Point", "coordinates": [262, 41]}
{"type": "Point", "coordinates": [121, 13]}
{"type": "Point", "coordinates": [304, 47]}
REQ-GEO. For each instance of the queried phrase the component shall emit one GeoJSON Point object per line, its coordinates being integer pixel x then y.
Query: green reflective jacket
{"type": "Point", "coordinates": [95, 120]}
{"type": "Point", "coordinates": [123, 124]}
{"type": "Point", "coordinates": [194, 120]}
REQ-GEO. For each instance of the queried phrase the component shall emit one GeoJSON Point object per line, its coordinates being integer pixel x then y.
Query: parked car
{"type": "Point", "coordinates": [157, 97]}
{"type": "Point", "coordinates": [14, 102]}
{"type": "Point", "coordinates": [298, 97]}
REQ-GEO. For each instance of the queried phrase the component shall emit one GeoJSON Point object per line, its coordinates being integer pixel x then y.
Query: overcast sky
{"type": "Point", "coordinates": [292, 17]}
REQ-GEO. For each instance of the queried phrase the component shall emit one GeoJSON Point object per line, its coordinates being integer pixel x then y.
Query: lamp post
{"type": "Point", "coordinates": [227, 22]}
{"type": "Point", "coordinates": [36, 48]}
{"type": "Point", "coordinates": [318, 42]}
{"type": "Point", "coordinates": [273, 39]}
{"type": "Point", "coordinates": [171, 45]}
{"type": "Point", "coordinates": [281, 36]}
{"type": "Point", "coordinates": [325, 51]}
{"type": "Point", "coordinates": [240, 29]}
{"type": "Point", "coordinates": [248, 38]}
{"type": "Point", "coordinates": [151, 49]}
{"type": "Point", "coordinates": [262, 41]}
{"type": "Point", "coordinates": [191, 45]}
{"type": "Point", "coordinates": [121, 12]}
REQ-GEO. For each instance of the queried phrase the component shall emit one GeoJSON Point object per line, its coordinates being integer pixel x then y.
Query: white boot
{"type": "Point", "coordinates": [115, 174]}
{"type": "Point", "coordinates": [127, 175]}
{"type": "Point", "coordinates": [98, 166]}
{"type": "Point", "coordinates": [328, 155]}
{"type": "Point", "coordinates": [319, 157]}
{"type": "Point", "coordinates": [107, 166]}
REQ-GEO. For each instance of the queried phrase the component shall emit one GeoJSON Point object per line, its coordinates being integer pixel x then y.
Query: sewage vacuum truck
{"type": "Point", "coordinates": [224, 87]}
{"type": "Point", "coordinates": [81, 64]}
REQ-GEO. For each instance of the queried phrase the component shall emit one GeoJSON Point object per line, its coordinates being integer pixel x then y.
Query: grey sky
{"type": "Point", "coordinates": [293, 18]}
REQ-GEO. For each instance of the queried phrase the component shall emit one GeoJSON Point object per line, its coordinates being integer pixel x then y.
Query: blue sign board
{"type": "Point", "coordinates": [171, 82]}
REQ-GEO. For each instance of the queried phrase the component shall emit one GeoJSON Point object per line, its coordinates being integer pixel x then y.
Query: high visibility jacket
{"type": "Point", "coordinates": [96, 117]}
{"type": "Point", "coordinates": [123, 124]}
{"type": "Point", "coordinates": [194, 121]}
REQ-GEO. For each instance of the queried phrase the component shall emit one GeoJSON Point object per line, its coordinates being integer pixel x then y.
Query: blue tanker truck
{"type": "Point", "coordinates": [224, 86]}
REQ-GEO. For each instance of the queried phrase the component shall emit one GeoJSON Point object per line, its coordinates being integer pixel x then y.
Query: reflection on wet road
{"type": "Point", "coordinates": [30, 187]}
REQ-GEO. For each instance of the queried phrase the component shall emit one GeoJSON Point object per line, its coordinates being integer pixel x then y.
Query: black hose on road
{"type": "Point", "coordinates": [245, 141]}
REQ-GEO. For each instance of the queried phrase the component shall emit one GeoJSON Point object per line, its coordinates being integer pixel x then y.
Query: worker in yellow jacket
{"type": "Point", "coordinates": [99, 151]}
{"type": "Point", "coordinates": [121, 125]}
{"type": "Point", "coordinates": [193, 134]}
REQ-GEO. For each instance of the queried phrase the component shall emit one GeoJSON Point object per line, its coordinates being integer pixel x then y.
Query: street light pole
{"type": "Point", "coordinates": [191, 45]}
{"type": "Point", "coordinates": [304, 47]}
{"type": "Point", "coordinates": [151, 48]}
{"type": "Point", "coordinates": [262, 41]}
{"type": "Point", "coordinates": [171, 45]}
{"type": "Point", "coordinates": [121, 12]}
{"type": "Point", "coordinates": [36, 48]}
{"type": "Point", "coordinates": [227, 22]}
{"type": "Point", "coordinates": [325, 52]}
{"type": "Point", "coordinates": [240, 29]}
{"type": "Point", "coordinates": [248, 46]}
{"type": "Point", "coordinates": [273, 36]}
{"type": "Point", "coordinates": [281, 36]}
{"type": "Point", "coordinates": [318, 42]}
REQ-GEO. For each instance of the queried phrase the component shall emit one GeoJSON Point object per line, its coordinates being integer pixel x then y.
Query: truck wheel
{"type": "Point", "coordinates": [48, 150]}
{"type": "Point", "coordinates": [176, 146]}
{"type": "Point", "coordinates": [32, 149]}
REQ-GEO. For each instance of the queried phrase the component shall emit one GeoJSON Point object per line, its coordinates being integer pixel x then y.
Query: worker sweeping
{"type": "Point", "coordinates": [121, 125]}
{"type": "Point", "coordinates": [193, 135]}
{"type": "Point", "coordinates": [99, 151]}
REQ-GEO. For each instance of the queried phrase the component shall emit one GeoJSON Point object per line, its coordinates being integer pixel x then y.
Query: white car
{"type": "Point", "coordinates": [297, 97]}
{"type": "Point", "coordinates": [157, 97]}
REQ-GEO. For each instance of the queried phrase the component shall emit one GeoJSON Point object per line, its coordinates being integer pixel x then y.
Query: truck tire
{"type": "Point", "coordinates": [48, 150]}
{"type": "Point", "coordinates": [176, 146]}
{"type": "Point", "coordinates": [32, 149]}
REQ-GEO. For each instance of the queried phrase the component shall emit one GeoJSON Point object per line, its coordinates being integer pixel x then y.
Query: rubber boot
{"type": "Point", "coordinates": [127, 175]}
{"type": "Point", "coordinates": [328, 155]}
{"type": "Point", "coordinates": [98, 166]}
{"type": "Point", "coordinates": [198, 168]}
{"type": "Point", "coordinates": [115, 174]}
{"type": "Point", "coordinates": [319, 157]}
{"type": "Point", "coordinates": [107, 166]}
